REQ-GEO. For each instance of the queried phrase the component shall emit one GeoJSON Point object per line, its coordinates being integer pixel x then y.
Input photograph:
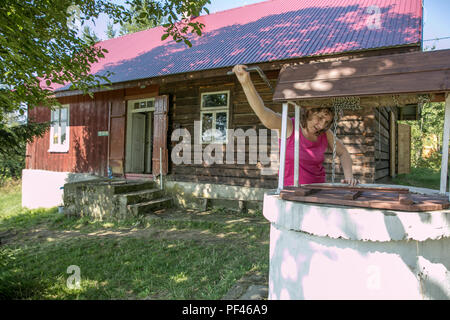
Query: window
{"type": "Point", "coordinates": [144, 105]}
{"type": "Point", "coordinates": [214, 116]}
{"type": "Point", "coordinates": [59, 130]}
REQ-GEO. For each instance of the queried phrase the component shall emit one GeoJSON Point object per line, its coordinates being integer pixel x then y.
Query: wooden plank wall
{"type": "Point", "coordinates": [404, 149]}
{"type": "Point", "coordinates": [356, 130]}
{"type": "Point", "coordinates": [388, 127]}
{"type": "Point", "coordinates": [88, 152]}
{"type": "Point", "coordinates": [185, 109]}
{"type": "Point", "coordinates": [382, 143]}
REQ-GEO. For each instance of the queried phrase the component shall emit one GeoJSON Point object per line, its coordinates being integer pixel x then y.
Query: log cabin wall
{"type": "Point", "coordinates": [361, 132]}
{"type": "Point", "coordinates": [185, 110]}
{"type": "Point", "coordinates": [356, 130]}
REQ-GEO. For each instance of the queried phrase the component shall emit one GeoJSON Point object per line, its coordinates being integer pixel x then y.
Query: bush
{"type": "Point", "coordinates": [427, 131]}
{"type": "Point", "coordinates": [14, 136]}
{"type": "Point", "coordinates": [11, 166]}
{"type": "Point", "coordinates": [433, 162]}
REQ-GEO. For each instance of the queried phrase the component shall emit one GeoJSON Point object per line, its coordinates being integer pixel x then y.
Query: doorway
{"type": "Point", "coordinates": [139, 136]}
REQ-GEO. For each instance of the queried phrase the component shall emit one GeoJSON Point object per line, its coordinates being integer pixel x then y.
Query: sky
{"type": "Point", "coordinates": [436, 19]}
{"type": "Point", "coordinates": [436, 23]}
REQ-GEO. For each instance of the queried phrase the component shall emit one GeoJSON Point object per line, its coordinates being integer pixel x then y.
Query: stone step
{"type": "Point", "coordinates": [125, 199]}
{"type": "Point", "coordinates": [149, 206]}
{"type": "Point", "coordinates": [134, 186]}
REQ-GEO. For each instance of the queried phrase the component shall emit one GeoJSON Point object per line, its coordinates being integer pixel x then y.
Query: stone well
{"type": "Point", "coordinates": [322, 251]}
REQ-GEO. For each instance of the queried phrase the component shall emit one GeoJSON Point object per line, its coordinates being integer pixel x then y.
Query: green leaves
{"type": "Point", "coordinates": [427, 132]}
{"type": "Point", "coordinates": [164, 36]}
{"type": "Point", "coordinates": [174, 16]}
{"type": "Point", "coordinates": [188, 43]}
{"type": "Point", "coordinates": [41, 47]}
{"type": "Point", "coordinates": [13, 139]}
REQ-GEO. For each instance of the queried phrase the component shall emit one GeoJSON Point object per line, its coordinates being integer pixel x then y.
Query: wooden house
{"type": "Point", "coordinates": [161, 86]}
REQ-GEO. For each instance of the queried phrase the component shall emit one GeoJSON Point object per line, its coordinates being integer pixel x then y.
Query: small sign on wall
{"type": "Point", "coordinates": [103, 133]}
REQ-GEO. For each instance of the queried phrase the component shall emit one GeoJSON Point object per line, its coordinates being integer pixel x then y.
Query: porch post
{"type": "Point", "coordinates": [297, 145]}
{"type": "Point", "coordinates": [444, 163]}
{"type": "Point", "coordinates": [283, 147]}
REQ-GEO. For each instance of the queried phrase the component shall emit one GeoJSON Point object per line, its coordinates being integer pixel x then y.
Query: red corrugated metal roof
{"type": "Point", "coordinates": [266, 31]}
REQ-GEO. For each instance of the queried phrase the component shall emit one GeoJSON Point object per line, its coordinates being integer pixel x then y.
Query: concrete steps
{"type": "Point", "coordinates": [148, 207]}
{"type": "Point", "coordinates": [114, 198]}
{"type": "Point", "coordinates": [129, 187]}
{"type": "Point", "coordinates": [138, 196]}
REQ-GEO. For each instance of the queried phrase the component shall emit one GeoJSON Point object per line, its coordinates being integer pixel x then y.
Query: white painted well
{"type": "Point", "coordinates": [334, 252]}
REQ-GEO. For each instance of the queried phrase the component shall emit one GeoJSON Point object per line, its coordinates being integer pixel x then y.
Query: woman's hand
{"type": "Point", "coordinates": [242, 74]}
{"type": "Point", "coordinates": [352, 181]}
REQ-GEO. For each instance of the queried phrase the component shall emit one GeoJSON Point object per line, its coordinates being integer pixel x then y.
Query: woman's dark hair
{"type": "Point", "coordinates": [305, 113]}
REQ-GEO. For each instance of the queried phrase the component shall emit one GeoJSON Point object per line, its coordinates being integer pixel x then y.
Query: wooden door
{"type": "Point", "coordinates": [160, 128]}
{"type": "Point", "coordinates": [138, 143]}
{"type": "Point", "coordinates": [117, 136]}
{"type": "Point", "coordinates": [404, 149]}
{"type": "Point", "coordinates": [149, 142]}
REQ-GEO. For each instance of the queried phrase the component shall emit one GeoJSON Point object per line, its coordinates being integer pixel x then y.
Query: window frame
{"type": "Point", "coordinates": [60, 147]}
{"type": "Point", "coordinates": [214, 111]}
{"type": "Point", "coordinates": [148, 109]}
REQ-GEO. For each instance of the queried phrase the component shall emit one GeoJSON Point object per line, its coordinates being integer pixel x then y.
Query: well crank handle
{"type": "Point", "coordinates": [260, 72]}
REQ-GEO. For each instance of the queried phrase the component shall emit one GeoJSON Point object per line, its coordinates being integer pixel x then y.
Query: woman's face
{"type": "Point", "coordinates": [318, 122]}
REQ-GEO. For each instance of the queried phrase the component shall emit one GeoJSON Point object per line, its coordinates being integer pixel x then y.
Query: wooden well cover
{"type": "Point", "coordinates": [377, 198]}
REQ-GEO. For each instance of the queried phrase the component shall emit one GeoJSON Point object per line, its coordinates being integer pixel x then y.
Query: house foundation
{"type": "Point", "coordinates": [44, 189]}
{"type": "Point", "coordinates": [194, 195]}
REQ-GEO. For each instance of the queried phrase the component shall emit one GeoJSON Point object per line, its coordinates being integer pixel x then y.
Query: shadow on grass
{"type": "Point", "coordinates": [127, 269]}
{"type": "Point", "coordinates": [26, 218]}
{"type": "Point", "coordinates": [126, 266]}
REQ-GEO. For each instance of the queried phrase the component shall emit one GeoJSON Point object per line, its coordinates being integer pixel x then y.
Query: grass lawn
{"type": "Point", "coordinates": [420, 177]}
{"type": "Point", "coordinates": [174, 255]}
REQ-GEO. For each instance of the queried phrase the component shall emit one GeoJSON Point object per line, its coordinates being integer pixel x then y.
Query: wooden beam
{"type": "Point", "coordinates": [392, 132]}
{"type": "Point", "coordinates": [404, 149]}
{"type": "Point", "coordinates": [405, 199]}
{"type": "Point", "coordinates": [408, 73]}
{"type": "Point", "coordinates": [297, 146]}
{"type": "Point", "coordinates": [444, 163]}
{"type": "Point", "coordinates": [356, 188]}
{"type": "Point", "coordinates": [352, 195]}
{"type": "Point", "coordinates": [438, 97]}
{"type": "Point", "coordinates": [283, 147]}
{"type": "Point", "coordinates": [384, 101]}
{"type": "Point", "coordinates": [305, 192]}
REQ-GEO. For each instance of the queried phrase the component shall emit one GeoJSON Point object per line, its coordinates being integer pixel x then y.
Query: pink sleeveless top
{"type": "Point", "coordinates": [312, 156]}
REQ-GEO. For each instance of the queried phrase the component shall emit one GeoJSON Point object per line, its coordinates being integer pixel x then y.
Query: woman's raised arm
{"type": "Point", "coordinates": [269, 118]}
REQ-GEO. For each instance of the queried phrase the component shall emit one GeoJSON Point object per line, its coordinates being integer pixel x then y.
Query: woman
{"type": "Point", "coordinates": [315, 137]}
